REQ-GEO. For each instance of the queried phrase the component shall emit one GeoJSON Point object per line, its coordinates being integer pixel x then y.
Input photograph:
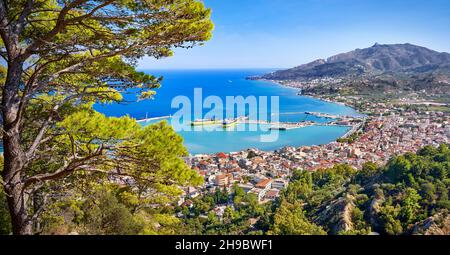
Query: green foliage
{"type": "Point", "coordinates": [105, 215]}
{"type": "Point", "coordinates": [289, 219]}
{"type": "Point", "coordinates": [221, 196]}
{"type": "Point", "coordinates": [389, 219]}
{"type": "Point", "coordinates": [153, 159]}
{"type": "Point", "coordinates": [301, 186]}
{"type": "Point", "coordinates": [410, 206]}
{"type": "Point", "coordinates": [98, 212]}
{"type": "Point", "coordinates": [146, 162]}
{"type": "Point", "coordinates": [360, 226]}
{"type": "Point", "coordinates": [368, 171]}
{"type": "Point", "coordinates": [398, 169]}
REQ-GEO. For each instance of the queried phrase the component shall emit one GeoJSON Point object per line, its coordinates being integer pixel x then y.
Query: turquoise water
{"type": "Point", "coordinates": [224, 83]}
{"type": "Point", "coordinates": [232, 140]}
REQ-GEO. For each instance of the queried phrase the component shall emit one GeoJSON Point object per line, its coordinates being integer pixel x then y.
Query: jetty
{"type": "Point", "coordinates": [201, 122]}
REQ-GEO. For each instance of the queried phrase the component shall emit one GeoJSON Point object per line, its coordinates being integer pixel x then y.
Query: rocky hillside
{"type": "Point", "coordinates": [378, 59]}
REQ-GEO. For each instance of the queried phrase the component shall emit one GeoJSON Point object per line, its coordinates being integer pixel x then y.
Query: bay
{"type": "Point", "coordinates": [223, 83]}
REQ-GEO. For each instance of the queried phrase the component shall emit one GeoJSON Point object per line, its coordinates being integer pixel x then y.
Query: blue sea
{"type": "Point", "coordinates": [223, 83]}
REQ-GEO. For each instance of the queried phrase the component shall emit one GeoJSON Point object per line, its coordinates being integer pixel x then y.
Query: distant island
{"type": "Point", "coordinates": [383, 70]}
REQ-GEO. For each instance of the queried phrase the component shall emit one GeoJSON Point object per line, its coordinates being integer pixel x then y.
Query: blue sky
{"type": "Point", "coordinates": [287, 33]}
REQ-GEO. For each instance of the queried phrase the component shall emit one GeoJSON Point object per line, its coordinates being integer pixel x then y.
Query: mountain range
{"type": "Point", "coordinates": [401, 66]}
{"type": "Point", "coordinates": [377, 59]}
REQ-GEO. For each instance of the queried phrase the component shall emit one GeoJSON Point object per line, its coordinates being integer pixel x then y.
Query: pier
{"type": "Point", "coordinates": [205, 122]}
{"type": "Point", "coordinates": [146, 119]}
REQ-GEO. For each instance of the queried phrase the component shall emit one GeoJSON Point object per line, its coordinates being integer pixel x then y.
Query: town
{"type": "Point", "coordinates": [388, 131]}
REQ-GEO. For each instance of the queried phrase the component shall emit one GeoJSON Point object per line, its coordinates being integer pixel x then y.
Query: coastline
{"type": "Point", "coordinates": [351, 128]}
{"type": "Point", "coordinates": [309, 96]}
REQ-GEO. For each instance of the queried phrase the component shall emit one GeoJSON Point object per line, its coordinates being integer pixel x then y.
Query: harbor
{"type": "Point", "coordinates": [284, 126]}
{"type": "Point", "coordinates": [354, 123]}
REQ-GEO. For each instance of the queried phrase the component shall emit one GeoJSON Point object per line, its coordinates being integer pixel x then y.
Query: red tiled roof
{"type": "Point", "coordinates": [221, 155]}
{"type": "Point", "coordinates": [263, 183]}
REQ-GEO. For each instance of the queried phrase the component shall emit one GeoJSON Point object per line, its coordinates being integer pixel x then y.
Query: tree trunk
{"type": "Point", "coordinates": [14, 155]}
{"type": "Point", "coordinates": [17, 202]}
